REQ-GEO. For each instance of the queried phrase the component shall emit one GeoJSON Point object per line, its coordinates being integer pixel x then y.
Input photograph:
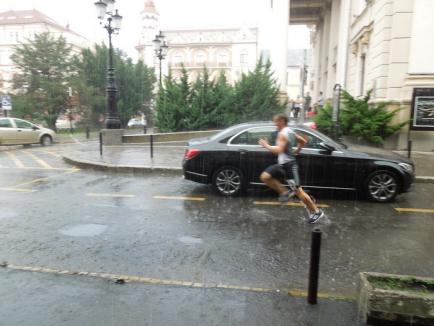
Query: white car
{"type": "Point", "coordinates": [21, 132]}
{"type": "Point", "coordinates": [136, 123]}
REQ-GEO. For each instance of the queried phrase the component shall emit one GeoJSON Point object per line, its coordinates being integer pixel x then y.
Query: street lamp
{"type": "Point", "coordinates": [161, 48]}
{"type": "Point", "coordinates": [112, 24]}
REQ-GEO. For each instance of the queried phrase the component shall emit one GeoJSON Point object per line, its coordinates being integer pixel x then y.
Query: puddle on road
{"type": "Point", "coordinates": [7, 213]}
{"type": "Point", "coordinates": [84, 230]}
{"type": "Point", "coordinates": [190, 240]}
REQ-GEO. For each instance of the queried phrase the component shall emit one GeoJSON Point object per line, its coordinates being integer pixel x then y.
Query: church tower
{"type": "Point", "coordinates": [149, 29]}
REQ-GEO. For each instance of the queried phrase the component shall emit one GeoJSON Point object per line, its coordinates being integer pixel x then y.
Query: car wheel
{"type": "Point", "coordinates": [382, 186]}
{"type": "Point", "coordinates": [46, 140]}
{"type": "Point", "coordinates": [228, 181]}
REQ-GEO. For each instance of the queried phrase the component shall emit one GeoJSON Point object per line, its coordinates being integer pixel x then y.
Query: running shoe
{"type": "Point", "coordinates": [315, 217]}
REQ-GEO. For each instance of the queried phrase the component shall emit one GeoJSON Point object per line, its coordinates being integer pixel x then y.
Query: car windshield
{"type": "Point", "coordinates": [327, 139]}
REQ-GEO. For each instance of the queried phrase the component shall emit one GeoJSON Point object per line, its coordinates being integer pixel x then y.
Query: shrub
{"type": "Point", "coordinates": [365, 121]}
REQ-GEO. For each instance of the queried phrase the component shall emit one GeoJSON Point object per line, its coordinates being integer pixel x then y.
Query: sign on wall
{"type": "Point", "coordinates": [422, 109]}
{"type": "Point", "coordinates": [6, 102]}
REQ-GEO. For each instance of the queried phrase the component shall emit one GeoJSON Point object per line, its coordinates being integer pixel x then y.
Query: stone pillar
{"type": "Point", "coordinates": [343, 43]}
{"type": "Point", "coordinates": [273, 38]}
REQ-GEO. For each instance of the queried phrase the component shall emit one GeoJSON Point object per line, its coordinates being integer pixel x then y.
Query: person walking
{"type": "Point", "coordinates": [287, 167]}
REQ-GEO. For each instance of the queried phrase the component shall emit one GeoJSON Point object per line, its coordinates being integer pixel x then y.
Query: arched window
{"type": "Point", "coordinates": [200, 58]}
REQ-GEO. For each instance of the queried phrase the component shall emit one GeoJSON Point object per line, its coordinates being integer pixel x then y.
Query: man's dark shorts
{"type": "Point", "coordinates": [287, 171]}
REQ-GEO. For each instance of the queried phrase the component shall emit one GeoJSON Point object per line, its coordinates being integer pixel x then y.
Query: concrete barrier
{"type": "Point", "coordinates": [165, 137]}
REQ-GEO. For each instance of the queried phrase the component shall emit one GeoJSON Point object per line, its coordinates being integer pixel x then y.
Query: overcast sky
{"type": "Point", "coordinates": [174, 14]}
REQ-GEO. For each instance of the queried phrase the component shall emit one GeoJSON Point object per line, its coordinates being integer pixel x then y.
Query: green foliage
{"type": "Point", "coordinates": [45, 68]}
{"type": "Point", "coordinates": [134, 83]}
{"type": "Point", "coordinates": [256, 96]}
{"type": "Point", "coordinates": [369, 122]}
{"type": "Point", "coordinates": [207, 103]}
{"type": "Point", "coordinates": [323, 119]}
{"type": "Point", "coordinates": [359, 119]}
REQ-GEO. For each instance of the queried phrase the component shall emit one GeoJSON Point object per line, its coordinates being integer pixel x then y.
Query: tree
{"type": "Point", "coordinates": [169, 99]}
{"type": "Point", "coordinates": [135, 83]}
{"type": "Point", "coordinates": [256, 96]}
{"type": "Point", "coordinates": [45, 67]}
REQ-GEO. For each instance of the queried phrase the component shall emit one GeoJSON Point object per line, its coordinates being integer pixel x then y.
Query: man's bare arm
{"type": "Point", "coordinates": [280, 145]}
{"type": "Point", "coordinates": [300, 143]}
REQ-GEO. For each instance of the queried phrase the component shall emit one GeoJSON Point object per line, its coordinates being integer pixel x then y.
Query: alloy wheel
{"type": "Point", "coordinates": [382, 186]}
{"type": "Point", "coordinates": [228, 181]}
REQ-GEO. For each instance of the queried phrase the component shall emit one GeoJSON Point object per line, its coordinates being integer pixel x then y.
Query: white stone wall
{"type": "Point", "coordinates": [234, 51]}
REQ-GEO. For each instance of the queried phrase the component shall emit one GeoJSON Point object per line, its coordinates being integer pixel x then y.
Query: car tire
{"type": "Point", "coordinates": [381, 186]}
{"type": "Point", "coordinates": [46, 140]}
{"type": "Point", "coordinates": [228, 181]}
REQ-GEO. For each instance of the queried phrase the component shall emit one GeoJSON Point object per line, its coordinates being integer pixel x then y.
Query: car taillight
{"type": "Point", "coordinates": [190, 153]}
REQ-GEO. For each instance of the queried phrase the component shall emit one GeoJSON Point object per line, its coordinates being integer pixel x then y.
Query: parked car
{"type": "Point", "coordinates": [232, 161]}
{"type": "Point", "coordinates": [136, 123]}
{"type": "Point", "coordinates": [21, 132]}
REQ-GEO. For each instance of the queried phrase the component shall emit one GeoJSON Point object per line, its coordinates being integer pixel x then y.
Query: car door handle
{"type": "Point", "coordinates": [242, 151]}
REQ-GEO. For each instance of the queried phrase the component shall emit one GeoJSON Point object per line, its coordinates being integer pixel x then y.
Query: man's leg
{"type": "Point", "coordinates": [273, 183]}
{"type": "Point", "coordinates": [315, 213]}
{"type": "Point", "coordinates": [305, 198]}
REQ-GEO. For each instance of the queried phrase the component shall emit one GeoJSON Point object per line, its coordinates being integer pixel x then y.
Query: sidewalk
{"type": "Point", "coordinates": [168, 157]}
{"type": "Point", "coordinates": [127, 158]}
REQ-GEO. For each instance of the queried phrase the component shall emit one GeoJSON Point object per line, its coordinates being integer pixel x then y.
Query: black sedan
{"type": "Point", "coordinates": [232, 161]}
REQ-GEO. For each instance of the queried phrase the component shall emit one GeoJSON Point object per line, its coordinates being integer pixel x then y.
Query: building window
{"type": "Point", "coordinates": [222, 59]}
{"type": "Point", "coordinates": [178, 59]}
{"type": "Point", "coordinates": [200, 58]}
{"type": "Point", "coordinates": [244, 58]}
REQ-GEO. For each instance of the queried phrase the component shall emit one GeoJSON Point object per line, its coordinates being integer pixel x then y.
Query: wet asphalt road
{"type": "Point", "coordinates": [172, 230]}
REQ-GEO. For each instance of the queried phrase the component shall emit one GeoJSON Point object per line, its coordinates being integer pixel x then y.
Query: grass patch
{"type": "Point", "coordinates": [402, 284]}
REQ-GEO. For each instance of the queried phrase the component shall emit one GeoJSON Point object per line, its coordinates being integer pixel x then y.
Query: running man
{"type": "Point", "coordinates": [287, 167]}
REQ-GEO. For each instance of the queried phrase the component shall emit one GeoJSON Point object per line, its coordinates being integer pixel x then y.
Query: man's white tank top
{"type": "Point", "coordinates": [288, 154]}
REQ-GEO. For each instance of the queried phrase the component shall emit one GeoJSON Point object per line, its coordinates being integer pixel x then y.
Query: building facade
{"type": "Point", "coordinates": [379, 45]}
{"type": "Point", "coordinates": [18, 27]}
{"type": "Point", "coordinates": [231, 51]}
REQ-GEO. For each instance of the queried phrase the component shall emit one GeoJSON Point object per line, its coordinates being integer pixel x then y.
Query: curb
{"type": "Point", "coordinates": [424, 179]}
{"type": "Point", "coordinates": [134, 169]}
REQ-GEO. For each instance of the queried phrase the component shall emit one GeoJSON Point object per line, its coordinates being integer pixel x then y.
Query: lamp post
{"type": "Point", "coordinates": [160, 47]}
{"type": "Point", "coordinates": [112, 24]}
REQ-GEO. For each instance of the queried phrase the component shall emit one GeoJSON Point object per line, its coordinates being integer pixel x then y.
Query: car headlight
{"type": "Point", "coordinates": [407, 167]}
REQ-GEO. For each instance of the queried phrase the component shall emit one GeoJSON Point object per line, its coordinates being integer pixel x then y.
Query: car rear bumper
{"type": "Point", "coordinates": [197, 177]}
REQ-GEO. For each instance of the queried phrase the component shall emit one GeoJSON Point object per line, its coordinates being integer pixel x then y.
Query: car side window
{"type": "Point", "coordinates": [252, 136]}
{"type": "Point", "coordinates": [5, 123]}
{"type": "Point", "coordinates": [312, 141]}
{"type": "Point", "coordinates": [23, 124]}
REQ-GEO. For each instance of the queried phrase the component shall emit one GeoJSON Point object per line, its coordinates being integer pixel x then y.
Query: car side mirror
{"type": "Point", "coordinates": [327, 147]}
{"type": "Point", "coordinates": [343, 145]}
{"type": "Point", "coordinates": [35, 128]}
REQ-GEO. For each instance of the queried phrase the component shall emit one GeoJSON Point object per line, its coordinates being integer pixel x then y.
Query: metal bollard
{"type": "Point", "coordinates": [87, 132]}
{"type": "Point", "coordinates": [100, 143]}
{"type": "Point", "coordinates": [315, 249]}
{"type": "Point", "coordinates": [409, 146]}
{"type": "Point", "coordinates": [144, 130]}
{"type": "Point", "coordinates": [152, 145]}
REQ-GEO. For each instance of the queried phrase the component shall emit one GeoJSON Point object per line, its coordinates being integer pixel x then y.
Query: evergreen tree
{"type": "Point", "coordinates": [223, 97]}
{"type": "Point", "coordinates": [45, 67]}
{"type": "Point", "coordinates": [134, 83]}
{"type": "Point", "coordinates": [256, 96]}
{"type": "Point", "coordinates": [202, 103]}
{"type": "Point", "coordinates": [168, 100]}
